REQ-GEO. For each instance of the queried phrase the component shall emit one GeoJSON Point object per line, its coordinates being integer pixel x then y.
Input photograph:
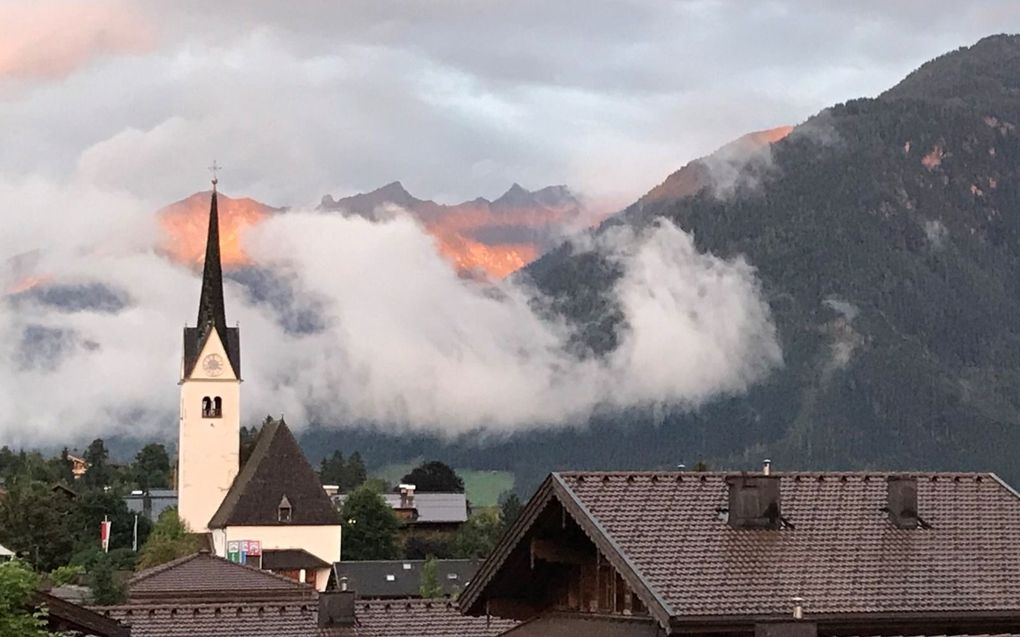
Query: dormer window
{"type": "Point", "coordinates": [284, 511]}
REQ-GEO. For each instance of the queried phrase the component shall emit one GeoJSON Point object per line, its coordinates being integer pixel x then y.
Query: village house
{"type": "Point", "coordinates": [792, 554]}
{"type": "Point", "coordinates": [202, 595]}
{"type": "Point", "coordinates": [425, 513]}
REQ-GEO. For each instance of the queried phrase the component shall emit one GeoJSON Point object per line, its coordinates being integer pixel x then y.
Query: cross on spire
{"type": "Point", "coordinates": [214, 169]}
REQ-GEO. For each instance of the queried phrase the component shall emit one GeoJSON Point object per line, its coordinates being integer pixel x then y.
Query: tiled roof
{"type": "Point", "coordinates": [285, 559]}
{"type": "Point", "coordinates": [430, 508]}
{"type": "Point", "coordinates": [64, 617]}
{"type": "Point", "coordinates": [402, 578]}
{"type": "Point", "coordinates": [415, 618]}
{"type": "Point", "coordinates": [434, 508]}
{"type": "Point", "coordinates": [434, 618]}
{"type": "Point", "coordinates": [839, 552]}
{"type": "Point", "coordinates": [240, 619]}
{"type": "Point", "coordinates": [276, 468]}
{"type": "Point", "coordinates": [207, 578]}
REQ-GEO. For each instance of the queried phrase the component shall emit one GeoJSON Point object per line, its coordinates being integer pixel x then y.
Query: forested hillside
{"type": "Point", "coordinates": [887, 235]}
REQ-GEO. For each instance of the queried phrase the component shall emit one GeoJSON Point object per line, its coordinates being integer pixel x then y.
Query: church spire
{"type": "Point", "coordinates": [211, 312]}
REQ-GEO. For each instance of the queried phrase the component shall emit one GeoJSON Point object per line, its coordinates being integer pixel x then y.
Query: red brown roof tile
{"type": "Point", "coordinates": [202, 577]}
{"type": "Point", "coordinates": [414, 618]}
{"type": "Point", "coordinates": [839, 552]}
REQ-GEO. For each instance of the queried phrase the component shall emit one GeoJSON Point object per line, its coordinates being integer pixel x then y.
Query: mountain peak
{"type": "Point", "coordinates": [516, 195]}
{"type": "Point", "coordinates": [989, 68]}
{"type": "Point", "coordinates": [394, 191]}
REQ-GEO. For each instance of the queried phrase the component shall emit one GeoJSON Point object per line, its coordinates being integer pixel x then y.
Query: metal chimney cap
{"type": "Point", "coordinates": [766, 467]}
{"type": "Point", "coordinates": [798, 607]}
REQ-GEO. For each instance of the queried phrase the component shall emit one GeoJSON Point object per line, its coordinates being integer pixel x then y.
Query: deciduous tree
{"type": "Point", "coordinates": [169, 540]}
{"type": "Point", "coordinates": [435, 477]}
{"type": "Point", "coordinates": [17, 616]}
{"type": "Point", "coordinates": [369, 527]}
{"type": "Point", "coordinates": [151, 468]}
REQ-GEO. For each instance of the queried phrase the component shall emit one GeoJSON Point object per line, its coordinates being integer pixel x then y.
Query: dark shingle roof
{"type": "Point", "coordinates": [207, 578]}
{"type": "Point", "coordinates": [276, 468]}
{"type": "Point", "coordinates": [840, 553]}
{"type": "Point", "coordinates": [435, 618]}
{"type": "Point", "coordinates": [434, 508]}
{"type": "Point", "coordinates": [402, 578]}
{"type": "Point", "coordinates": [287, 559]}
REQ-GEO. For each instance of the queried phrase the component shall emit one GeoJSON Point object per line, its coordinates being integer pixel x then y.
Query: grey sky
{"type": "Point", "coordinates": [110, 109]}
{"type": "Point", "coordinates": [455, 98]}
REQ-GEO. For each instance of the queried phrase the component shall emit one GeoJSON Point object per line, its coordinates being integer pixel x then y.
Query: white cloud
{"type": "Point", "coordinates": [404, 341]}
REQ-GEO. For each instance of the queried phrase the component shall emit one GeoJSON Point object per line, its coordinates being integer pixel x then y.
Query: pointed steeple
{"type": "Point", "coordinates": [211, 312]}
{"type": "Point", "coordinates": [212, 316]}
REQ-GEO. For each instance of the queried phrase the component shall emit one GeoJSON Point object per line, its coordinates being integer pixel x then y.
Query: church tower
{"type": "Point", "coordinates": [210, 396]}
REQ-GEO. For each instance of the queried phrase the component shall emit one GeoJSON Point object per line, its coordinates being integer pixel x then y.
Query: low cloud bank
{"type": "Point", "coordinates": [90, 328]}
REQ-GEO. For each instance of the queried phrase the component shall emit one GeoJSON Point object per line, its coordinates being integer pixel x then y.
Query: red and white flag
{"type": "Point", "coordinates": [104, 535]}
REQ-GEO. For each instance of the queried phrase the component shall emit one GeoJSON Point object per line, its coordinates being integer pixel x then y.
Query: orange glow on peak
{"type": "Point", "coordinates": [186, 224]}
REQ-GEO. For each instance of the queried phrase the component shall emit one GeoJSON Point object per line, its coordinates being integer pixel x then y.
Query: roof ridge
{"type": "Point", "coordinates": [723, 473]}
{"type": "Point", "coordinates": [160, 568]}
{"type": "Point", "coordinates": [309, 603]}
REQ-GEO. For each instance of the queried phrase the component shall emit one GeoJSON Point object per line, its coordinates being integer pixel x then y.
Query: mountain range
{"type": "Point", "coordinates": [886, 236]}
{"type": "Point", "coordinates": [479, 237]}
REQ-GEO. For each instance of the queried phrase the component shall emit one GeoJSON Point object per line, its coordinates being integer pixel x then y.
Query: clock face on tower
{"type": "Point", "coordinates": [213, 364]}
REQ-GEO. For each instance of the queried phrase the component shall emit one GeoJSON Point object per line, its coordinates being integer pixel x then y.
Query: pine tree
{"type": "Point", "coordinates": [105, 589]}
{"type": "Point", "coordinates": [354, 473]}
{"type": "Point", "coordinates": [99, 473]}
{"type": "Point", "coordinates": [429, 586]}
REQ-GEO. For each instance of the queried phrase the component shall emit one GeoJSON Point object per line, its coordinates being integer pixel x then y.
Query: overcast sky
{"type": "Point", "coordinates": [111, 109]}
{"type": "Point", "coordinates": [457, 99]}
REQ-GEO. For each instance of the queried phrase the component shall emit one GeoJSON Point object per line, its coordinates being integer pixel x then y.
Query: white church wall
{"type": "Point", "coordinates": [322, 541]}
{"type": "Point", "coordinates": [209, 446]}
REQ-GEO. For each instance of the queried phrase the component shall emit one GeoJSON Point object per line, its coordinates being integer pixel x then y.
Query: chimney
{"type": "Point", "coordinates": [766, 467]}
{"type": "Point", "coordinates": [901, 502]}
{"type": "Point", "coordinates": [407, 496]}
{"type": "Point", "coordinates": [754, 502]}
{"type": "Point", "coordinates": [336, 608]}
